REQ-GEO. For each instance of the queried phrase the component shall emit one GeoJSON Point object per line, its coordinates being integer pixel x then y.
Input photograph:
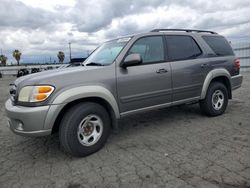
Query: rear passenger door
{"type": "Point", "coordinates": [188, 72]}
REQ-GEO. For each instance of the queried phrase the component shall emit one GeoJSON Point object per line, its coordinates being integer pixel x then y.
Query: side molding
{"type": "Point", "coordinates": [87, 91]}
{"type": "Point", "coordinates": [213, 74]}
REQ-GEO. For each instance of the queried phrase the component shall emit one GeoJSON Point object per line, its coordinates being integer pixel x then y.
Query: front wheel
{"type": "Point", "coordinates": [84, 129]}
{"type": "Point", "coordinates": [216, 99]}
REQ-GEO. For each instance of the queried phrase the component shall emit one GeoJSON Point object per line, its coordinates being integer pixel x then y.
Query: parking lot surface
{"type": "Point", "coordinates": [172, 147]}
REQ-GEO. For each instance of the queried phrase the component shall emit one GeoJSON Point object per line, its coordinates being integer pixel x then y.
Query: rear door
{"type": "Point", "coordinates": [149, 84]}
{"type": "Point", "coordinates": [188, 66]}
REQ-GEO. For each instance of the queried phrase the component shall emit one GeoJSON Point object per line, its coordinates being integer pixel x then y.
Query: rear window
{"type": "Point", "coordinates": [219, 45]}
{"type": "Point", "coordinates": [182, 47]}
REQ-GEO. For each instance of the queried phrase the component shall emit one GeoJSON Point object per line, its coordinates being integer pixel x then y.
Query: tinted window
{"type": "Point", "coordinates": [219, 45]}
{"type": "Point", "coordinates": [182, 47]}
{"type": "Point", "coordinates": [150, 49]}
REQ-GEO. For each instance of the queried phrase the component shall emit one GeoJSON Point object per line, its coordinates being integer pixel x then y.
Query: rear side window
{"type": "Point", "coordinates": [219, 45]}
{"type": "Point", "coordinates": [150, 49]}
{"type": "Point", "coordinates": [182, 47]}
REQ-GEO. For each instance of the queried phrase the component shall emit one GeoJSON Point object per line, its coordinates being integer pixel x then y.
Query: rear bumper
{"type": "Point", "coordinates": [236, 81]}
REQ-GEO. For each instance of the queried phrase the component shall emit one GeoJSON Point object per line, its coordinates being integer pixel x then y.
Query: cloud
{"type": "Point", "coordinates": [15, 14]}
{"type": "Point", "coordinates": [44, 27]}
{"type": "Point", "coordinates": [91, 16]}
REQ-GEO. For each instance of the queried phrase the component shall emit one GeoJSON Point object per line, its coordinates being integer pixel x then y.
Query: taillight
{"type": "Point", "coordinates": [237, 64]}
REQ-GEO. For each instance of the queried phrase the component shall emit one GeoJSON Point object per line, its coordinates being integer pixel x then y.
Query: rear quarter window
{"type": "Point", "coordinates": [219, 45]}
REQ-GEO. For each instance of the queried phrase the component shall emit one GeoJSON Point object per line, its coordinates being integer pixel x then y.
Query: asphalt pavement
{"type": "Point", "coordinates": [171, 147]}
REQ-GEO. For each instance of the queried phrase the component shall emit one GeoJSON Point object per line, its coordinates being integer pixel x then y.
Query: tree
{"type": "Point", "coordinates": [61, 56]}
{"type": "Point", "coordinates": [3, 59]}
{"type": "Point", "coordinates": [17, 55]}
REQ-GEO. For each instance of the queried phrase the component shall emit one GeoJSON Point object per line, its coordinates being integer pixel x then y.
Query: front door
{"type": "Point", "coordinates": [147, 85]}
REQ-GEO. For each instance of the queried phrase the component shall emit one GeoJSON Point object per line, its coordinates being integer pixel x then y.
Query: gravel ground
{"type": "Point", "coordinates": [174, 147]}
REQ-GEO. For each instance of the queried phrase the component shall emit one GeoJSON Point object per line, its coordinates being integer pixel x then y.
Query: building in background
{"type": "Point", "coordinates": [242, 51]}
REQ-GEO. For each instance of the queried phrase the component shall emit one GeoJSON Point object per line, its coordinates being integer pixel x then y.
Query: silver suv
{"type": "Point", "coordinates": [121, 77]}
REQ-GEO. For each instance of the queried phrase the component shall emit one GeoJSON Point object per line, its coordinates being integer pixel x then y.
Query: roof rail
{"type": "Point", "coordinates": [186, 30]}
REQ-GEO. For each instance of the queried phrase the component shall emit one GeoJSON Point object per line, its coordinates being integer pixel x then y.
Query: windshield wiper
{"type": "Point", "coordinates": [194, 55]}
{"type": "Point", "coordinates": [94, 64]}
{"type": "Point", "coordinates": [219, 54]}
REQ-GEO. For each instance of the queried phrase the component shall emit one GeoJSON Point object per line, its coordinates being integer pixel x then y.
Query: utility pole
{"type": "Point", "coordinates": [70, 51]}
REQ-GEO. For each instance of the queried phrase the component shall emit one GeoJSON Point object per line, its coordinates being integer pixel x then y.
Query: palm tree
{"type": "Point", "coordinates": [61, 56]}
{"type": "Point", "coordinates": [3, 59]}
{"type": "Point", "coordinates": [17, 55]}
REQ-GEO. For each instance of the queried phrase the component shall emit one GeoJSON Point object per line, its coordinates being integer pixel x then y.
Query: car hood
{"type": "Point", "coordinates": [54, 77]}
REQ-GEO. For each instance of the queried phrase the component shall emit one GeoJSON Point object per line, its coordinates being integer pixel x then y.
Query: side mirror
{"type": "Point", "coordinates": [131, 60]}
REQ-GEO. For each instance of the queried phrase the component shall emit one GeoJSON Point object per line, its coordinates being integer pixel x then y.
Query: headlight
{"type": "Point", "coordinates": [35, 93]}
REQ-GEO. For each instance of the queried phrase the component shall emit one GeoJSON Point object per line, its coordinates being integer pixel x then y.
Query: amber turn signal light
{"type": "Point", "coordinates": [44, 89]}
{"type": "Point", "coordinates": [41, 97]}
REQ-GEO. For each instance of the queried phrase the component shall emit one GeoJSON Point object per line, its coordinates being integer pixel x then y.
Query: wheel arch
{"type": "Point", "coordinates": [220, 75]}
{"type": "Point", "coordinates": [66, 99]}
{"type": "Point", "coordinates": [97, 100]}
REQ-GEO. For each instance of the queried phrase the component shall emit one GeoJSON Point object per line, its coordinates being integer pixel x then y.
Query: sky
{"type": "Point", "coordinates": [41, 28]}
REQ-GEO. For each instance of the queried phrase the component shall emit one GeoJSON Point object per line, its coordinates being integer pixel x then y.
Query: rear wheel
{"type": "Point", "coordinates": [84, 129]}
{"type": "Point", "coordinates": [216, 99]}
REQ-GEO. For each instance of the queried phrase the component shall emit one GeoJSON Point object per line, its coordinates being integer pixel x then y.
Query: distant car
{"type": "Point", "coordinates": [22, 72]}
{"type": "Point", "coordinates": [77, 61]}
{"type": "Point", "coordinates": [73, 63]}
{"type": "Point", "coordinates": [49, 68]}
{"type": "Point", "coordinates": [35, 70]}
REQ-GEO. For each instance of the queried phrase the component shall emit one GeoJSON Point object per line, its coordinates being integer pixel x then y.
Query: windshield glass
{"type": "Point", "coordinates": [107, 52]}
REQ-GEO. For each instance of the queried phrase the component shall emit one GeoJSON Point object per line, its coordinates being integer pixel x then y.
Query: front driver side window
{"type": "Point", "coordinates": [150, 49]}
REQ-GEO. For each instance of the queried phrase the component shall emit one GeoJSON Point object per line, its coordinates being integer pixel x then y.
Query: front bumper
{"type": "Point", "coordinates": [27, 121]}
{"type": "Point", "coordinates": [236, 81]}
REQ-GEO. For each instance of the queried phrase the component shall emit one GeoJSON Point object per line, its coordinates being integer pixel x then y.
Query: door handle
{"type": "Point", "coordinates": [160, 71]}
{"type": "Point", "coordinates": [204, 65]}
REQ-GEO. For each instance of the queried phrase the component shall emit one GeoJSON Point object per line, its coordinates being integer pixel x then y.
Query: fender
{"type": "Point", "coordinates": [75, 93]}
{"type": "Point", "coordinates": [210, 76]}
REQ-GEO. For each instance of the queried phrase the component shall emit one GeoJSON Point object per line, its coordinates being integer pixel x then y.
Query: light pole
{"type": "Point", "coordinates": [70, 51]}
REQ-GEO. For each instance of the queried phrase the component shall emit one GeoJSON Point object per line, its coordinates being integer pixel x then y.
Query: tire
{"type": "Point", "coordinates": [84, 129]}
{"type": "Point", "coordinates": [211, 105]}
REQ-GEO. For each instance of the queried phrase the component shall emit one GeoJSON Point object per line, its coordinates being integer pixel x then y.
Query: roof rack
{"type": "Point", "coordinates": [186, 30]}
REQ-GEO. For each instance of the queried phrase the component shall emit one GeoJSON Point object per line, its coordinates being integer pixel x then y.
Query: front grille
{"type": "Point", "coordinates": [12, 91]}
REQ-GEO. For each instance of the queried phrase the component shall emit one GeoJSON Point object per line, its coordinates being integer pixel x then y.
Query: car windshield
{"type": "Point", "coordinates": [106, 53]}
